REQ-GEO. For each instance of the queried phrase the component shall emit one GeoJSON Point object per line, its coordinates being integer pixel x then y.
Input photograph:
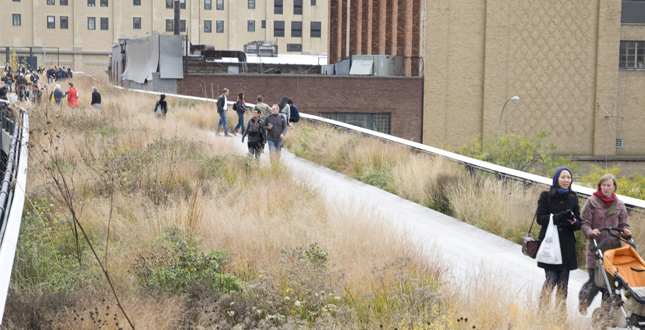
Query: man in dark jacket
{"type": "Point", "coordinates": [96, 98]}
{"type": "Point", "coordinates": [276, 127]}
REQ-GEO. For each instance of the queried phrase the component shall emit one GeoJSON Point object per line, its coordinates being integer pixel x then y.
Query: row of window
{"type": "Point", "coordinates": [208, 4]}
{"type": "Point", "coordinates": [64, 22]}
{"type": "Point", "coordinates": [278, 27]}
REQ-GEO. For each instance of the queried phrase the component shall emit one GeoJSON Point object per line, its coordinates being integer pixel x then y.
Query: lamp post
{"type": "Point", "coordinates": [515, 99]}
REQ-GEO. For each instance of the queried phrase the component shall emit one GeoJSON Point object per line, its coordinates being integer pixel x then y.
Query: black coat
{"type": "Point", "coordinates": [556, 204]}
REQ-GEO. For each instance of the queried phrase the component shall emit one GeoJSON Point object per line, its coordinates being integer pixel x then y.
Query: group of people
{"type": "Point", "coordinates": [602, 209]}
{"type": "Point", "coordinates": [72, 94]}
{"type": "Point", "coordinates": [55, 73]}
{"type": "Point", "coordinates": [23, 82]}
{"type": "Point", "coordinates": [268, 124]}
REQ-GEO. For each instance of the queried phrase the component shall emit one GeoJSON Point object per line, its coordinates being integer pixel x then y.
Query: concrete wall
{"type": "Point", "coordinates": [400, 96]}
{"type": "Point", "coordinates": [559, 57]}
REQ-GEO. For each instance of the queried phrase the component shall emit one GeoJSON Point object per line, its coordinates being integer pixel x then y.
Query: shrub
{"type": "Point", "coordinates": [179, 266]}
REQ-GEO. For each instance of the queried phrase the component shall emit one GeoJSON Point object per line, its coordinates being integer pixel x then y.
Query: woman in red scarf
{"type": "Point", "coordinates": [72, 96]}
{"type": "Point", "coordinates": [601, 210]}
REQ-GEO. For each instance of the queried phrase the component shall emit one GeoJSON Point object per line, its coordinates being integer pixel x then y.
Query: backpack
{"type": "Point", "coordinates": [235, 106]}
{"type": "Point", "coordinates": [295, 114]}
{"type": "Point", "coordinates": [157, 110]}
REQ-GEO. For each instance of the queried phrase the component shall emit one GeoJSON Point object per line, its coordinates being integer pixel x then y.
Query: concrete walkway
{"type": "Point", "coordinates": [472, 250]}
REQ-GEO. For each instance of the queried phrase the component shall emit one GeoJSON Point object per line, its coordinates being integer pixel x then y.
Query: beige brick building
{"type": "Point", "coordinates": [571, 62]}
{"type": "Point", "coordinates": [83, 31]}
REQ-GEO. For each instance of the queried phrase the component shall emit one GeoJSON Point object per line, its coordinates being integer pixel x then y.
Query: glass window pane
{"type": "Point", "coordinates": [220, 4]}
{"type": "Point", "coordinates": [136, 23]}
{"type": "Point", "coordinates": [104, 23]}
{"type": "Point", "coordinates": [251, 26]}
{"type": "Point", "coordinates": [51, 2]}
{"type": "Point", "coordinates": [91, 23]}
{"type": "Point", "coordinates": [220, 27]}
{"type": "Point", "coordinates": [208, 4]}
{"type": "Point", "coordinates": [104, 3]}
{"type": "Point", "coordinates": [251, 4]}
{"type": "Point", "coordinates": [182, 25]}
{"type": "Point", "coordinates": [64, 22]}
{"type": "Point", "coordinates": [277, 7]}
{"type": "Point", "coordinates": [91, 3]}
{"type": "Point", "coordinates": [16, 20]}
{"type": "Point", "coordinates": [208, 26]}
{"type": "Point", "coordinates": [169, 25]}
{"type": "Point", "coordinates": [169, 4]}
{"type": "Point", "coordinates": [51, 22]}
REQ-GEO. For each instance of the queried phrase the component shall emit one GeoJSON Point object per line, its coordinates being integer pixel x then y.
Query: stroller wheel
{"type": "Point", "coordinates": [600, 319]}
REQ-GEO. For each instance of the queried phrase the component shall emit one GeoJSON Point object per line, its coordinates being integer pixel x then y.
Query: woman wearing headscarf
{"type": "Point", "coordinates": [602, 209]}
{"type": "Point", "coordinates": [561, 201]}
{"type": "Point", "coordinates": [72, 96]}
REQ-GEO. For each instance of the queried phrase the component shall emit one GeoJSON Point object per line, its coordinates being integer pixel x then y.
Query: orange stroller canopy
{"type": "Point", "coordinates": [629, 265]}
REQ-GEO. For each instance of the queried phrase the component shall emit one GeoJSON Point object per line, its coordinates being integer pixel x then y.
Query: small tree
{"type": "Point", "coordinates": [528, 154]}
{"type": "Point", "coordinates": [13, 60]}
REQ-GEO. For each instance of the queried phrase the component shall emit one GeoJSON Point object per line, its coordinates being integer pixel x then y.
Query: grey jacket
{"type": "Point", "coordinates": [279, 126]}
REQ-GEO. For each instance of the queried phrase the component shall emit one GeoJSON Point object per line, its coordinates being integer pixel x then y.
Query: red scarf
{"type": "Point", "coordinates": [605, 200]}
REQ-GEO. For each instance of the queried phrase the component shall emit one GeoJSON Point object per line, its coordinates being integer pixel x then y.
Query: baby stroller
{"type": "Point", "coordinates": [621, 272]}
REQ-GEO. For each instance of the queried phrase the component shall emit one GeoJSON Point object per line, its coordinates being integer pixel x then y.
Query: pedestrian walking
{"type": "Point", "coordinates": [57, 95]}
{"type": "Point", "coordinates": [603, 209]}
{"type": "Point", "coordinates": [276, 127]}
{"type": "Point", "coordinates": [255, 131]}
{"type": "Point", "coordinates": [96, 98]}
{"type": "Point", "coordinates": [222, 107]}
{"type": "Point", "coordinates": [72, 96]}
{"type": "Point", "coordinates": [265, 109]}
{"type": "Point", "coordinates": [561, 202]}
{"type": "Point", "coordinates": [161, 107]}
{"type": "Point", "coordinates": [240, 108]}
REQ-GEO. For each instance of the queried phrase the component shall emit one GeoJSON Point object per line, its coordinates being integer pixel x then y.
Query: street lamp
{"type": "Point", "coordinates": [515, 99]}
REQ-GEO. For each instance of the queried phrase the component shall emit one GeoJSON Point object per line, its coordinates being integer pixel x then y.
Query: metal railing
{"type": "Point", "coordinates": [12, 195]}
{"type": "Point", "coordinates": [475, 164]}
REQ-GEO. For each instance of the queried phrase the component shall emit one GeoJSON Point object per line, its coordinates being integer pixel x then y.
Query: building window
{"type": "Point", "coordinates": [91, 23]}
{"type": "Point", "coordinates": [208, 26]}
{"type": "Point", "coordinates": [169, 4]}
{"type": "Point", "coordinates": [250, 26]}
{"type": "Point", "coordinates": [315, 29]}
{"type": "Point", "coordinates": [220, 4]}
{"type": "Point", "coordinates": [169, 25]}
{"type": "Point", "coordinates": [278, 29]}
{"type": "Point", "coordinates": [277, 7]}
{"type": "Point", "coordinates": [220, 26]}
{"type": "Point", "coordinates": [16, 20]}
{"type": "Point", "coordinates": [182, 25]}
{"type": "Point", "coordinates": [296, 29]}
{"type": "Point", "coordinates": [104, 3]}
{"type": "Point", "coordinates": [64, 22]}
{"type": "Point", "coordinates": [264, 24]}
{"type": "Point", "coordinates": [294, 47]}
{"type": "Point", "coordinates": [632, 55]}
{"type": "Point", "coordinates": [297, 7]}
{"type": "Point", "coordinates": [136, 2]}
{"type": "Point", "coordinates": [104, 23]}
{"type": "Point", "coordinates": [136, 23]}
{"type": "Point", "coordinates": [63, 2]}
{"type": "Point", "coordinates": [91, 3]}
{"type": "Point", "coordinates": [208, 4]}
{"type": "Point", "coordinates": [379, 122]}
{"type": "Point", "coordinates": [313, 2]}
{"type": "Point", "coordinates": [51, 2]}
{"type": "Point", "coordinates": [182, 4]}
{"type": "Point", "coordinates": [51, 22]}
{"type": "Point", "coordinates": [251, 4]}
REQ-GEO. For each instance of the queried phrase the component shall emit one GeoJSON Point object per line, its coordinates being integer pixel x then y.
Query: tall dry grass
{"type": "Point", "coordinates": [133, 177]}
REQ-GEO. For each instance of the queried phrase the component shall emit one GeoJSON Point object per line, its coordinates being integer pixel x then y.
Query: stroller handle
{"type": "Point", "coordinates": [610, 231]}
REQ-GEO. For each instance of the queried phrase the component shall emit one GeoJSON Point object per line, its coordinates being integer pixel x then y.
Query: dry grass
{"type": "Point", "coordinates": [134, 176]}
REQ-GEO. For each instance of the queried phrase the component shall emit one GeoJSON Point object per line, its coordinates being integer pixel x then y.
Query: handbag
{"type": "Point", "coordinates": [530, 246]}
{"type": "Point", "coordinates": [549, 251]}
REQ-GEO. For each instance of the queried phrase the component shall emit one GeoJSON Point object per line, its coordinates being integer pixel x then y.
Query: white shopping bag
{"type": "Point", "coordinates": [549, 251]}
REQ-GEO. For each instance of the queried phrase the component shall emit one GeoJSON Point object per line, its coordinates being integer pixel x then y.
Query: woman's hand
{"type": "Point", "coordinates": [595, 233]}
{"type": "Point", "coordinates": [626, 233]}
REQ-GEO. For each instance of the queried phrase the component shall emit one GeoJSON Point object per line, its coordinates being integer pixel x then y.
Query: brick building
{"type": "Point", "coordinates": [377, 27]}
